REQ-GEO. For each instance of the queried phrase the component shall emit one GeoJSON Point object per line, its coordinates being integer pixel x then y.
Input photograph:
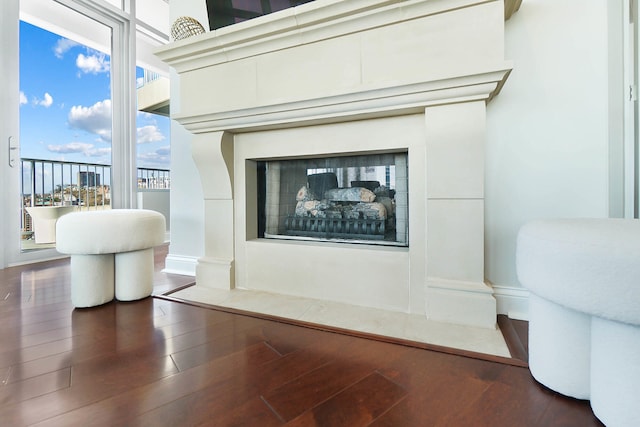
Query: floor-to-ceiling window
{"type": "Point", "coordinates": [65, 126]}
{"type": "Point", "coordinates": [98, 40]}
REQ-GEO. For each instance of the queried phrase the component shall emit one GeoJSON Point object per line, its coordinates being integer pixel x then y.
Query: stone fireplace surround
{"type": "Point", "coordinates": [334, 78]}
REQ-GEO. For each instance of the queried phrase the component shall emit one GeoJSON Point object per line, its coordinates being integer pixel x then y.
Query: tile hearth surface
{"type": "Point", "coordinates": [363, 319]}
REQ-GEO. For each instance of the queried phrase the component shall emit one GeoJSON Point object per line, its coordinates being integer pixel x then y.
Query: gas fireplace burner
{"type": "Point", "coordinates": [363, 211]}
{"type": "Point", "coordinates": [328, 228]}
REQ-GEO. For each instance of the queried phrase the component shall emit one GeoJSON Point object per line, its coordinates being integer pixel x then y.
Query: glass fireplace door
{"type": "Point", "coordinates": [352, 199]}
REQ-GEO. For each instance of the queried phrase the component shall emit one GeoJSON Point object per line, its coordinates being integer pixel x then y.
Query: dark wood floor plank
{"type": "Point", "coordinates": [40, 338]}
{"type": "Point", "coordinates": [574, 413]}
{"type": "Point", "coordinates": [416, 368]}
{"type": "Point", "coordinates": [91, 382]}
{"type": "Point", "coordinates": [226, 393]}
{"type": "Point", "coordinates": [117, 370]}
{"type": "Point", "coordinates": [355, 406]}
{"type": "Point", "coordinates": [118, 364]}
{"type": "Point", "coordinates": [16, 356]}
{"type": "Point", "coordinates": [223, 339]}
{"type": "Point", "coordinates": [123, 334]}
{"type": "Point", "coordinates": [512, 338]}
{"type": "Point", "coordinates": [204, 405]}
{"type": "Point", "coordinates": [243, 388]}
{"type": "Point", "coordinates": [36, 386]}
{"type": "Point", "coordinates": [298, 363]}
{"type": "Point", "coordinates": [187, 359]}
{"type": "Point", "coordinates": [29, 315]}
{"type": "Point", "coordinates": [38, 367]}
{"type": "Point", "coordinates": [501, 405]}
{"type": "Point", "coordinates": [566, 412]}
{"type": "Point", "coordinates": [287, 338]}
{"type": "Point", "coordinates": [522, 329]}
{"type": "Point", "coordinates": [238, 402]}
{"type": "Point", "coordinates": [120, 409]}
{"type": "Point", "coordinates": [438, 386]}
{"type": "Point", "coordinates": [352, 363]}
{"type": "Point", "coordinates": [17, 329]}
{"type": "Point", "coordinates": [254, 412]}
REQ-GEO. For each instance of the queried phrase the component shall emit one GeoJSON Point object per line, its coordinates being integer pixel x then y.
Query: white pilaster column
{"type": "Point", "coordinates": [455, 288]}
{"type": "Point", "coordinates": [213, 155]}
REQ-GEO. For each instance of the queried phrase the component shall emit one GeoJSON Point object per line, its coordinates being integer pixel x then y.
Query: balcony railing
{"type": "Point", "coordinates": [86, 185]}
{"type": "Point", "coordinates": [148, 77]}
{"type": "Point", "coordinates": [154, 179]}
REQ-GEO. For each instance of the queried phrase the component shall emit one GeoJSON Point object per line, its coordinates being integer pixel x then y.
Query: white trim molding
{"type": "Point", "coordinates": [180, 264]}
{"type": "Point", "coordinates": [512, 301]}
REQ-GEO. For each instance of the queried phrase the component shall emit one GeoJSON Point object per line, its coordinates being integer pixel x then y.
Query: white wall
{"type": "Point", "coordinates": [187, 201]}
{"type": "Point", "coordinates": [155, 200]}
{"type": "Point", "coordinates": [548, 130]}
{"type": "Point", "coordinates": [547, 138]}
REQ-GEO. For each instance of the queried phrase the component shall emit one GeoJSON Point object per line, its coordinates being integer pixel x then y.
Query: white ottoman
{"type": "Point", "coordinates": [111, 253]}
{"type": "Point", "coordinates": [584, 311]}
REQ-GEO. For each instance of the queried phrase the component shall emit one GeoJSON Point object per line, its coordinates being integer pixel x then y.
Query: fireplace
{"type": "Point", "coordinates": [305, 122]}
{"type": "Point", "coordinates": [348, 199]}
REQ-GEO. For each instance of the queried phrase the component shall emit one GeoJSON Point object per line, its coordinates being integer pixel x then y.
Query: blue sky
{"type": "Point", "coordinates": [65, 106]}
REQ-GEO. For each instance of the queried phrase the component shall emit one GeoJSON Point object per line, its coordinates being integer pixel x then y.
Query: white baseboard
{"type": "Point", "coordinates": [461, 302]}
{"type": "Point", "coordinates": [512, 301]}
{"type": "Point", "coordinates": [179, 264]}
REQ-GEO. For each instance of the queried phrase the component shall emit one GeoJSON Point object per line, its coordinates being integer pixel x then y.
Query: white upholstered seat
{"type": "Point", "coordinates": [111, 253]}
{"type": "Point", "coordinates": [584, 311]}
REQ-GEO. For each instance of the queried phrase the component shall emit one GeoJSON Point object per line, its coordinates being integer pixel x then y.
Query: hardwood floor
{"type": "Point", "coordinates": [157, 362]}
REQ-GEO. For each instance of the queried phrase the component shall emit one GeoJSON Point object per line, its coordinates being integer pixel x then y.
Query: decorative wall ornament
{"type": "Point", "coordinates": [185, 27]}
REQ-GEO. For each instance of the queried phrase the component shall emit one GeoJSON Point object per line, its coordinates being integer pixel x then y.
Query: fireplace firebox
{"type": "Point", "coordinates": [350, 199]}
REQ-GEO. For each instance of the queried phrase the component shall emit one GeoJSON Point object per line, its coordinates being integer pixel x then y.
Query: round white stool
{"type": "Point", "coordinates": [584, 311]}
{"type": "Point", "coordinates": [111, 253]}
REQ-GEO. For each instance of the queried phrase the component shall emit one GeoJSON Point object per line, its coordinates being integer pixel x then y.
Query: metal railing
{"type": "Point", "coordinates": [86, 185]}
{"type": "Point", "coordinates": [58, 183]}
{"type": "Point", "coordinates": [148, 77]}
{"type": "Point", "coordinates": [154, 179]}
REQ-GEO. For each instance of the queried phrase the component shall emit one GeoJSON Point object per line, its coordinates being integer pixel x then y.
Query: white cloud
{"type": "Point", "coordinates": [95, 119]}
{"type": "Point", "coordinates": [99, 152]}
{"type": "Point", "coordinates": [46, 101]}
{"type": "Point", "coordinates": [63, 46]}
{"type": "Point", "coordinates": [84, 148]}
{"type": "Point", "coordinates": [23, 98]}
{"type": "Point", "coordinates": [164, 151]}
{"type": "Point", "coordinates": [160, 158]}
{"type": "Point", "coordinates": [149, 133]}
{"type": "Point", "coordinates": [70, 148]}
{"type": "Point", "coordinates": [95, 63]}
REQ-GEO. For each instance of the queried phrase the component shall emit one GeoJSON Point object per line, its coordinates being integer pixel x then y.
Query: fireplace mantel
{"type": "Point", "coordinates": [374, 103]}
{"type": "Point", "coordinates": [333, 77]}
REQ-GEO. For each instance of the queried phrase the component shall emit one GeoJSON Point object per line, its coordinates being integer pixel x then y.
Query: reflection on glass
{"type": "Point", "coordinates": [359, 199]}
